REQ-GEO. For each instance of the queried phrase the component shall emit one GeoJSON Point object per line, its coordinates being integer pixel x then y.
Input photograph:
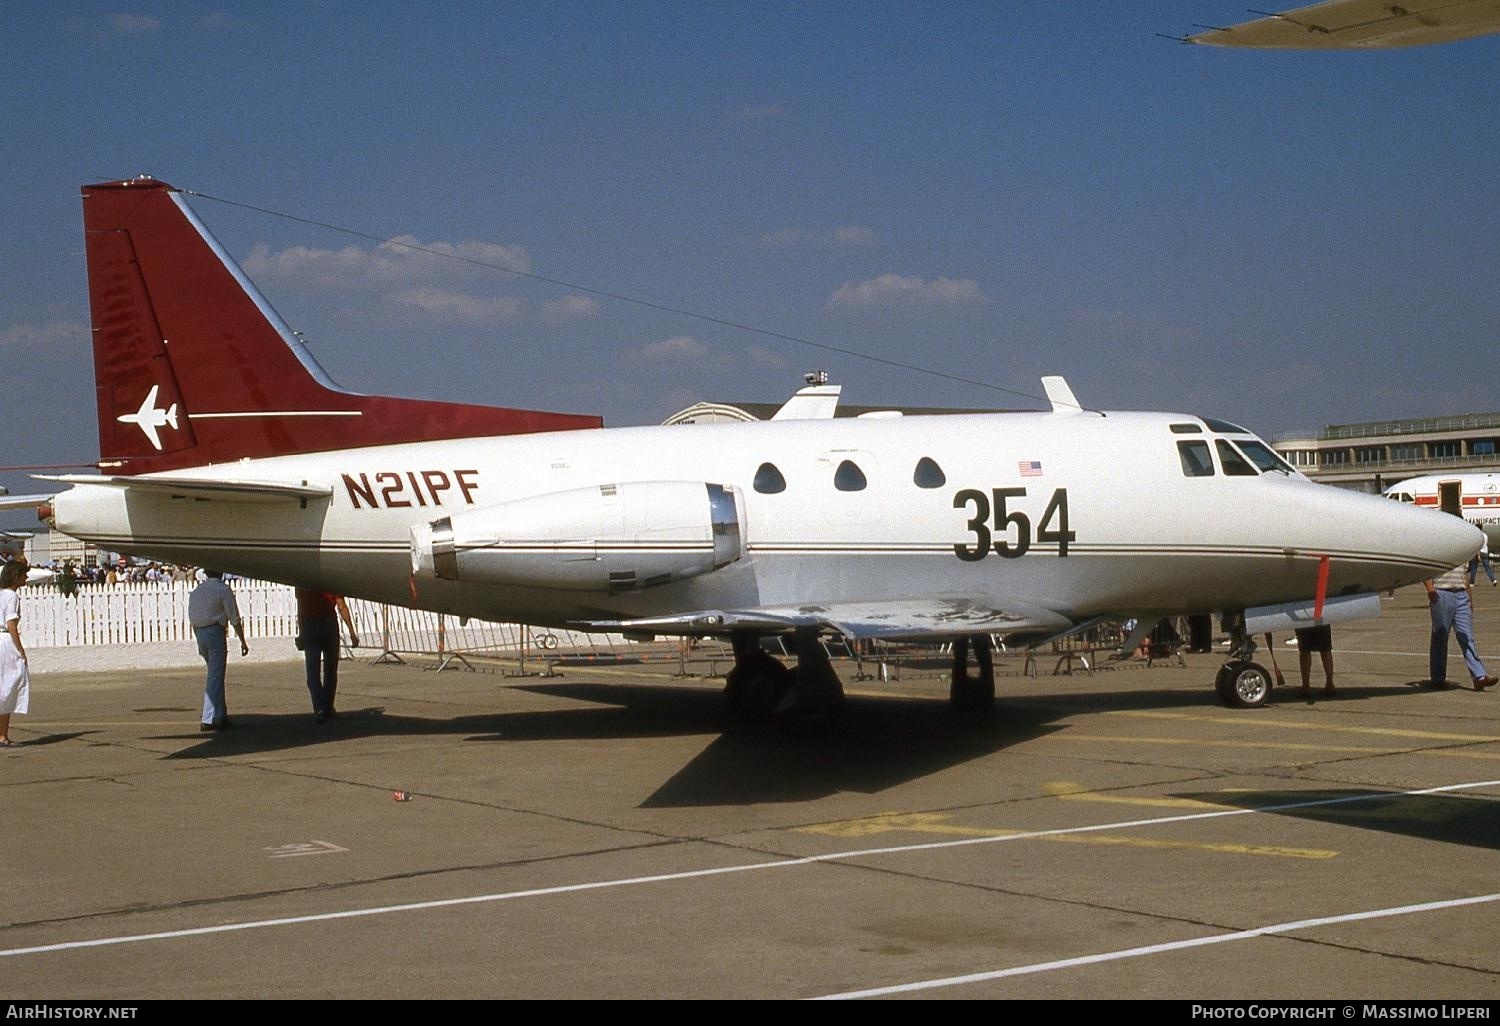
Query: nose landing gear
{"type": "Point", "coordinates": [1241, 682]}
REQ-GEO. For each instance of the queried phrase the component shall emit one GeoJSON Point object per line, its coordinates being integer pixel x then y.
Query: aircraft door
{"type": "Point", "coordinates": [1451, 497]}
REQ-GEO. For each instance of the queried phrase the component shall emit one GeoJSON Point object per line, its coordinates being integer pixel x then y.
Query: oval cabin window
{"type": "Point", "coordinates": [928, 474]}
{"type": "Point", "coordinates": [849, 478]}
{"type": "Point", "coordinates": [768, 480]}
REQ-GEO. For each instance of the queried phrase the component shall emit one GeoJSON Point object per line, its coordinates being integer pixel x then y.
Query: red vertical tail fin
{"type": "Point", "coordinates": [192, 365]}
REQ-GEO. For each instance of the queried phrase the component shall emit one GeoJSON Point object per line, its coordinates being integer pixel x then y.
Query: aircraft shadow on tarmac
{"type": "Point", "coordinates": [1452, 819]}
{"type": "Point", "coordinates": [880, 743]}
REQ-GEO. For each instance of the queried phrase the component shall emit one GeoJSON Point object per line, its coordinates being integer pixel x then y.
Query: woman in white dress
{"type": "Point", "coordinates": [15, 679]}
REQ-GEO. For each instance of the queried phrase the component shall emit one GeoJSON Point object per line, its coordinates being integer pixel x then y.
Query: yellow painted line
{"type": "Point", "coordinates": [1261, 721]}
{"type": "Point", "coordinates": [937, 823]}
{"type": "Point", "coordinates": [1078, 793]}
{"type": "Point", "coordinates": [1287, 746]}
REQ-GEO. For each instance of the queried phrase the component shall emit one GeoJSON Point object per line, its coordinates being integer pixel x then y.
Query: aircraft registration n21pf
{"type": "Point", "coordinates": [224, 444]}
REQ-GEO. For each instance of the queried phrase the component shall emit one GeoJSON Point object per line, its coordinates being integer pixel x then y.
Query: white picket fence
{"type": "Point", "coordinates": [142, 614]}
{"type": "Point", "coordinates": [153, 612]}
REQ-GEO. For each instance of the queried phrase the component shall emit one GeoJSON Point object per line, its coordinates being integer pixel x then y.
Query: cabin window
{"type": "Point", "coordinates": [1196, 462]}
{"type": "Point", "coordinates": [1234, 464]}
{"type": "Point", "coordinates": [1262, 457]}
{"type": "Point", "coordinates": [849, 478]}
{"type": "Point", "coordinates": [768, 480]}
{"type": "Point", "coordinates": [928, 474]}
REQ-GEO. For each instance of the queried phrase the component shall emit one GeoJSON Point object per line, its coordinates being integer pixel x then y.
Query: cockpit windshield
{"type": "Point", "coordinates": [1261, 456]}
{"type": "Point", "coordinates": [1234, 465]}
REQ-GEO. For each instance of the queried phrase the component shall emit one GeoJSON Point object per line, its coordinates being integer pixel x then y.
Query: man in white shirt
{"type": "Point", "coordinates": [211, 610]}
{"type": "Point", "coordinates": [1452, 610]}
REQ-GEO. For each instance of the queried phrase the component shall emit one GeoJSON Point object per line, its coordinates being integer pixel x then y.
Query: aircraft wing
{"type": "Point", "coordinates": [203, 488]}
{"type": "Point", "coordinates": [901, 619]}
{"type": "Point", "coordinates": [1361, 25]}
{"type": "Point", "coordinates": [23, 501]}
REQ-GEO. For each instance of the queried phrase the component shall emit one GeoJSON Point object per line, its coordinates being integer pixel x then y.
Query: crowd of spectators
{"type": "Point", "coordinates": [121, 572]}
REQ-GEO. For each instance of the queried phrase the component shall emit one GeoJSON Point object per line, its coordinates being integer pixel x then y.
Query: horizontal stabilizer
{"type": "Point", "coordinates": [23, 501]}
{"type": "Point", "coordinates": [204, 488]}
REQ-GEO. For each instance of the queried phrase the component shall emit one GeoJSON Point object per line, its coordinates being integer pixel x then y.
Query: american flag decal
{"type": "Point", "coordinates": [1030, 468]}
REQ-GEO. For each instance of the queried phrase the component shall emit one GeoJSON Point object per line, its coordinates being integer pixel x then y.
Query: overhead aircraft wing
{"type": "Point", "coordinates": [23, 501]}
{"type": "Point", "coordinates": [1361, 25]}
{"type": "Point", "coordinates": [901, 619]}
{"type": "Point", "coordinates": [202, 487]}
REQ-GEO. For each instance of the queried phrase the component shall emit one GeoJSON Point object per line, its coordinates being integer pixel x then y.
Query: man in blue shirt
{"type": "Point", "coordinates": [211, 610]}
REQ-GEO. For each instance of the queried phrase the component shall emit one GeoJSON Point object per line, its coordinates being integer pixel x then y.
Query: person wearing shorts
{"type": "Point", "coordinates": [1320, 640]}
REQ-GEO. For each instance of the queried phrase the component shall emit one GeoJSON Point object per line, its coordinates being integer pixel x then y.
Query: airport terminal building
{"type": "Point", "coordinates": [1372, 456]}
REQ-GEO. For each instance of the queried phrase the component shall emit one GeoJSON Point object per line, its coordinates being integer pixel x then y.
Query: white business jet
{"type": "Point", "coordinates": [1032, 525]}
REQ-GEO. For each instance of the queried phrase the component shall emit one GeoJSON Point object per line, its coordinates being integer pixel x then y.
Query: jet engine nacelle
{"type": "Point", "coordinates": [610, 538]}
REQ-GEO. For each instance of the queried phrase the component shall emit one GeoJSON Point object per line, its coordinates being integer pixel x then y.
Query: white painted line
{"type": "Point", "coordinates": [298, 849]}
{"type": "Point", "coordinates": [692, 874]}
{"type": "Point", "coordinates": [277, 413]}
{"type": "Point", "coordinates": [1156, 949]}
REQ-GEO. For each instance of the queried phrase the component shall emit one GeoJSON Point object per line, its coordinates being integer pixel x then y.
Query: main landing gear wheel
{"type": "Point", "coordinates": [808, 700]}
{"type": "Point", "coordinates": [1242, 684]}
{"type": "Point", "coordinates": [756, 686]}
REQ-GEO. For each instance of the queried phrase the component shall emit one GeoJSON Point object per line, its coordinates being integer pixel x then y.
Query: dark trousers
{"type": "Point", "coordinates": [320, 650]}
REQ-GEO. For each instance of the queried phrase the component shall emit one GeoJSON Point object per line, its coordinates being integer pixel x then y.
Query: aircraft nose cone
{"type": "Point", "coordinates": [1440, 537]}
{"type": "Point", "coordinates": [1461, 539]}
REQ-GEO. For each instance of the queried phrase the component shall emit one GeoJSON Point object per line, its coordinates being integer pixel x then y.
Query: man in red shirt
{"type": "Point", "coordinates": [318, 615]}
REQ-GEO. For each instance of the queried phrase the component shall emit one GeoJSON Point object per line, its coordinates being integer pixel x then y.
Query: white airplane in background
{"type": "Point", "coordinates": [1360, 25]}
{"type": "Point", "coordinates": [1033, 525]}
{"type": "Point", "coordinates": [1475, 497]}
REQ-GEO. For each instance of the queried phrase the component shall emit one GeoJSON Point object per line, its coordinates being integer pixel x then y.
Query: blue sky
{"type": "Point", "coordinates": [997, 191]}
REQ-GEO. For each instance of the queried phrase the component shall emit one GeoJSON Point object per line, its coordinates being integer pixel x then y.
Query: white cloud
{"type": "Point", "coordinates": [135, 24]}
{"type": "Point", "coordinates": [678, 347]}
{"type": "Point", "coordinates": [898, 290]}
{"type": "Point", "coordinates": [461, 307]}
{"type": "Point", "coordinates": [19, 337]}
{"type": "Point", "coordinates": [569, 308]}
{"type": "Point", "coordinates": [404, 260]}
{"type": "Point", "coordinates": [853, 236]}
{"type": "Point", "coordinates": [454, 306]}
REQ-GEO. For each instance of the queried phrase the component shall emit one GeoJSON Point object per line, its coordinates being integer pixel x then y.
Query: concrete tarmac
{"type": "Point", "coordinates": [613, 833]}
